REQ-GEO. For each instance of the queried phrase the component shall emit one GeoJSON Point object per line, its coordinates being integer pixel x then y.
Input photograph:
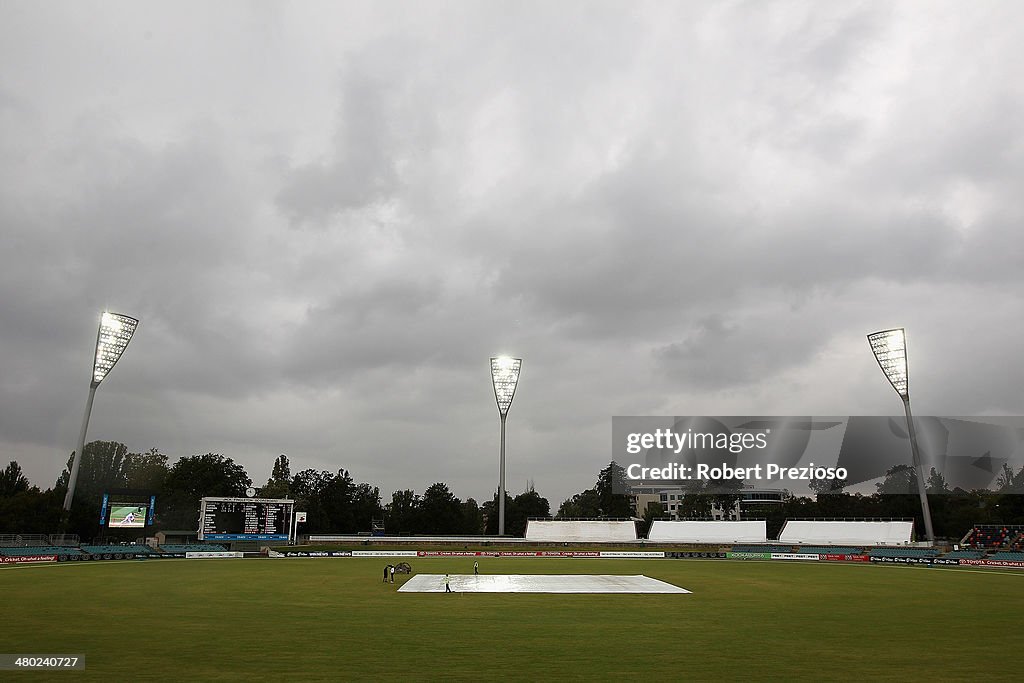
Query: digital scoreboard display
{"type": "Point", "coordinates": [245, 519]}
{"type": "Point", "coordinates": [121, 508]}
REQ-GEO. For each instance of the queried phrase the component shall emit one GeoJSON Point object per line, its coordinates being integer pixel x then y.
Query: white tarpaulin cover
{"type": "Point", "coordinates": [539, 583]}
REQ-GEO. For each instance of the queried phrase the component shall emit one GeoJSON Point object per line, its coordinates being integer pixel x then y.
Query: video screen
{"type": "Point", "coordinates": [127, 510]}
{"type": "Point", "coordinates": [132, 515]}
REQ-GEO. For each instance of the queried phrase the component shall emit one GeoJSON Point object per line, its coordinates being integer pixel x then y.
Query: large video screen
{"type": "Point", "coordinates": [120, 510]}
{"type": "Point", "coordinates": [245, 519]}
{"type": "Point", "coordinates": [128, 516]}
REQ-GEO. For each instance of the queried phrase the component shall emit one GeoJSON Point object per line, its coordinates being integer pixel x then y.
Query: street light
{"type": "Point", "coordinates": [504, 377]}
{"type": "Point", "coordinates": [890, 349]}
{"type": "Point", "coordinates": [112, 339]}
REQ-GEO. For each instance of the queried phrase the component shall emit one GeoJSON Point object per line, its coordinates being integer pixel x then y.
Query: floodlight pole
{"type": "Point", "coordinates": [501, 482]}
{"type": "Point", "coordinates": [504, 379]}
{"type": "Point", "coordinates": [892, 359]}
{"type": "Point", "coordinates": [922, 490]}
{"type": "Point", "coordinates": [73, 479]}
{"type": "Point", "coordinates": [112, 337]}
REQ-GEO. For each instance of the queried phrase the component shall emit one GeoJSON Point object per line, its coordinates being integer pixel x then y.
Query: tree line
{"type": "Point", "coordinates": [333, 500]}
{"type": "Point", "coordinates": [336, 503]}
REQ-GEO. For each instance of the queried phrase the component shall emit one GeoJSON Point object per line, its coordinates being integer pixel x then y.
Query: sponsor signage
{"type": "Point", "coordinates": [749, 556]}
{"type": "Point", "coordinates": [834, 557]}
{"type": "Point", "coordinates": [451, 553]}
{"type": "Point", "coordinates": [19, 559]}
{"type": "Point", "coordinates": [211, 555]}
{"type": "Point", "coordinates": [695, 555]}
{"type": "Point", "coordinates": [1013, 564]}
{"type": "Point", "coordinates": [550, 553]}
{"type": "Point", "coordinates": [513, 553]}
{"type": "Point", "coordinates": [633, 554]}
{"type": "Point", "coordinates": [794, 556]}
{"type": "Point", "coordinates": [383, 553]}
{"type": "Point", "coordinates": [905, 560]}
{"type": "Point", "coordinates": [332, 553]}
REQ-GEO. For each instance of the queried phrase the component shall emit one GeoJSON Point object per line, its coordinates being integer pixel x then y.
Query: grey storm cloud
{"type": "Point", "coordinates": [328, 215]}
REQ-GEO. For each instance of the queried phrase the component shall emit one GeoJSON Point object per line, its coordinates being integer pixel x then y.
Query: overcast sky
{"type": "Point", "coordinates": [328, 216]}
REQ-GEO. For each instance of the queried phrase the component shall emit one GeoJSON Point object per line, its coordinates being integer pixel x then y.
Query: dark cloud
{"type": "Point", "coordinates": [329, 216]}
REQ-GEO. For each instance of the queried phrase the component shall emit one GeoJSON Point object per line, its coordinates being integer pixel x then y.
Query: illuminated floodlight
{"type": "Point", "coordinates": [112, 339]}
{"type": "Point", "coordinates": [890, 349]}
{"type": "Point", "coordinates": [116, 331]}
{"type": "Point", "coordinates": [504, 378]}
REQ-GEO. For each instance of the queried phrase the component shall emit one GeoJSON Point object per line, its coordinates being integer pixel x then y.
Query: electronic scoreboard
{"type": "Point", "coordinates": [245, 519]}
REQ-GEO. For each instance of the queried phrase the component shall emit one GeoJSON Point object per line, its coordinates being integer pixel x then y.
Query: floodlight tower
{"type": "Point", "coordinates": [890, 349]}
{"type": "Point", "coordinates": [504, 377]}
{"type": "Point", "coordinates": [112, 339]}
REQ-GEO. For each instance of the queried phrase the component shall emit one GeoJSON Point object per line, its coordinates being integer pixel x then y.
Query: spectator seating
{"type": "Point", "coordinates": [903, 552]}
{"type": "Point", "coordinates": [993, 535]}
{"type": "Point", "coordinates": [117, 549]}
{"type": "Point", "coordinates": [762, 548]}
{"type": "Point", "coordinates": [1005, 555]}
{"type": "Point", "coordinates": [576, 531]}
{"type": "Point", "coordinates": [22, 551]}
{"type": "Point", "coordinates": [964, 554]}
{"type": "Point", "coordinates": [831, 550]}
{"type": "Point", "coordinates": [828, 532]}
{"type": "Point", "coordinates": [708, 532]}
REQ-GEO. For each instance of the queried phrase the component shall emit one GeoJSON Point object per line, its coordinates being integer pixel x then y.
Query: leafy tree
{"type": "Point", "coordinates": [197, 476]}
{"type": "Point", "coordinates": [282, 469]}
{"type": "Point", "coordinates": [472, 518]}
{"type": "Point", "coordinates": [899, 479]}
{"type": "Point", "coordinates": [653, 511]}
{"type": "Point", "coordinates": [827, 486]}
{"type": "Point", "coordinates": [366, 506]}
{"type": "Point", "coordinates": [441, 510]}
{"type": "Point", "coordinates": [211, 474]}
{"type": "Point", "coordinates": [695, 505]}
{"type": "Point", "coordinates": [279, 484]}
{"type": "Point", "coordinates": [334, 502]}
{"type": "Point", "coordinates": [936, 482]}
{"type": "Point", "coordinates": [611, 479]}
{"type": "Point", "coordinates": [12, 480]}
{"type": "Point", "coordinates": [31, 511]}
{"type": "Point", "coordinates": [582, 505]}
{"type": "Point", "coordinates": [491, 514]}
{"type": "Point", "coordinates": [402, 515]}
{"type": "Point", "coordinates": [308, 487]}
{"type": "Point", "coordinates": [337, 499]}
{"type": "Point", "coordinates": [102, 467]}
{"type": "Point", "coordinates": [524, 506]}
{"type": "Point", "coordinates": [146, 471]}
{"type": "Point", "coordinates": [1008, 482]}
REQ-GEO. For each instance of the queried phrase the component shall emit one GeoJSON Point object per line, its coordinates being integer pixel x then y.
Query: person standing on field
{"type": "Point", "coordinates": [392, 573]}
{"type": "Point", "coordinates": [387, 568]}
{"type": "Point", "coordinates": [447, 584]}
{"type": "Point", "coordinates": [476, 567]}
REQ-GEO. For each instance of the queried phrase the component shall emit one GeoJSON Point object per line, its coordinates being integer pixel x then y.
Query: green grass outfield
{"type": "Point", "coordinates": [332, 619]}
